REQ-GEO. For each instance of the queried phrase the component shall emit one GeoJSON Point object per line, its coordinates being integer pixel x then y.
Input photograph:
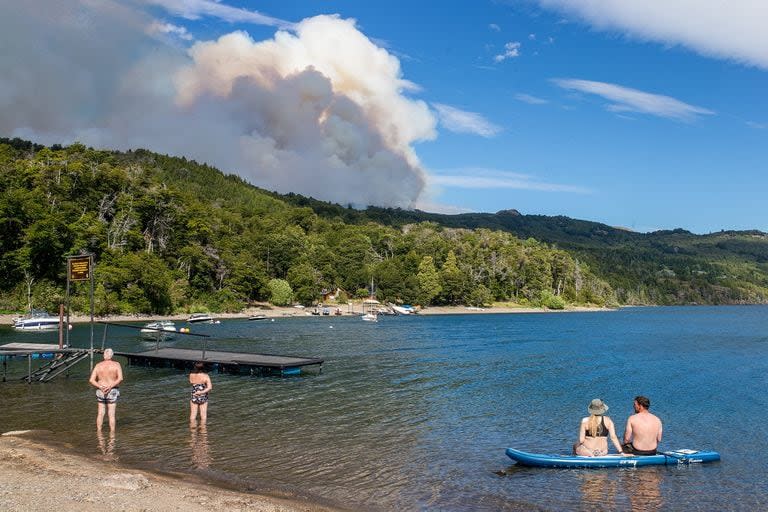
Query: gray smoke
{"type": "Point", "coordinates": [320, 110]}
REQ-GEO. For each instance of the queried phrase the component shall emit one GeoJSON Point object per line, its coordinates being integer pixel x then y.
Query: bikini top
{"type": "Point", "coordinates": [601, 430]}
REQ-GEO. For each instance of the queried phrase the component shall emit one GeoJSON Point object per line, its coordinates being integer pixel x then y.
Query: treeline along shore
{"type": "Point", "coordinates": [172, 236]}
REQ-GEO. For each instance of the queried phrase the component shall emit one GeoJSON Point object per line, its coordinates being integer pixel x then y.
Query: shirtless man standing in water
{"type": "Point", "coordinates": [106, 377]}
{"type": "Point", "coordinates": [643, 432]}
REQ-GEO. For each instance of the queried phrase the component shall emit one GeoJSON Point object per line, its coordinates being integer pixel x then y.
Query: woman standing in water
{"type": "Point", "coordinates": [594, 432]}
{"type": "Point", "coordinates": [201, 386]}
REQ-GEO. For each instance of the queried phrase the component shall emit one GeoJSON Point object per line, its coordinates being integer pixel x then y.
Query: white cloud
{"type": "Point", "coordinates": [626, 99]}
{"type": "Point", "coordinates": [158, 27]}
{"type": "Point", "coordinates": [759, 126]}
{"type": "Point", "coordinates": [461, 121]}
{"type": "Point", "coordinates": [532, 100]}
{"type": "Point", "coordinates": [321, 110]}
{"type": "Point", "coordinates": [196, 9]}
{"type": "Point", "coordinates": [511, 50]}
{"type": "Point", "coordinates": [733, 29]}
{"type": "Point", "coordinates": [494, 27]}
{"type": "Point", "coordinates": [478, 178]}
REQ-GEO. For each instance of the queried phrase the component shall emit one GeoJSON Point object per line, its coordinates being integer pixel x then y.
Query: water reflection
{"type": "Point", "coordinates": [107, 446]}
{"type": "Point", "coordinates": [644, 489]}
{"type": "Point", "coordinates": [198, 443]}
{"type": "Point", "coordinates": [598, 490]}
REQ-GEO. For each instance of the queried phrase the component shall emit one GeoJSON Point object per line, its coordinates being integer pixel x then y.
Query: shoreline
{"type": "Point", "coordinates": [42, 474]}
{"type": "Point", "coordinates": [283, 312]}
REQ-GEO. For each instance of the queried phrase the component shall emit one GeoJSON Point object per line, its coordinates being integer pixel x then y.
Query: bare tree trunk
{"type": "Point", "coordinates": [29, 280]}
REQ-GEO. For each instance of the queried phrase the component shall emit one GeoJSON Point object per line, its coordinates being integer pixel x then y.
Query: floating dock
{"type": "Point", "coordinates": [223, 361]}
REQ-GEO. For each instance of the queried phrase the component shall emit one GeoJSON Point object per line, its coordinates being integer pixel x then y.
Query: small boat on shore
{"type": "Point", "coordinates": [163, 329]}
{"type": "Point", "coordinates": [405, 309]}
{"type": "Point", "coordinates": [673, 457]}
{"type": "Point", "coordinates": [36, 320]}
{"type": "Point", "coordinates": [257, 317]}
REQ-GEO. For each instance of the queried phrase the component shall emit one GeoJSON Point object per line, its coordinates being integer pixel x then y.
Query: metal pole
{"type": "Point", "coordinates": [103, 340]}
{"type": "Point", "coordinates": [69, 264]}
{"type": "Point", "coordinates": [61, 325]}
{"type": "Point", "coordinates": [90, 267]}
{"type": "Point", "coordinates": [29, 368]}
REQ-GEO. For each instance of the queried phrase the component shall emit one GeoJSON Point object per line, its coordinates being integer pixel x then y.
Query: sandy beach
{"type": "Point", "coordinates": [37, 475]}
{"type": "Point", "coordinates": [346, 310]}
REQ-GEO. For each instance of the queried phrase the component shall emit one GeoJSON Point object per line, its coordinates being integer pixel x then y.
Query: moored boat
{"type": "Point", "coordinates": [405, 309]}
{"type": "Point", "coordinates": [201, 318]}
{"type": "Point", "coordinates": [36, 320]}
{"type": "Point", "coordinates": [683, 456]}
{"type": "Point", "coordinates": [370, 317]}
{"type": "Point", "coordinates": [163, 329]}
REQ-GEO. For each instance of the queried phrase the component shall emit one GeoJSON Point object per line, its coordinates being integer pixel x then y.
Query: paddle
{"type": "Point", "coordinates": [680, 454]}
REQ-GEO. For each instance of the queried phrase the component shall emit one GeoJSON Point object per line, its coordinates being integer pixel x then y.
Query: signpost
{"type": "Point", "coordinates": [80, 268]}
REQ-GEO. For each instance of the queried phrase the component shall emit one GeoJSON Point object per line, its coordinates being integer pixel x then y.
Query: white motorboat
{"type": "Point", "coordinates": [201, 318]}
{"type": "Point", "coordinates": [403, 310]}
{"type": "Point", "coordinates": [36, 320]}
{"type": "Point", "coordinates": [370, 317]}
{"type": "Point", "coordinates": [163, 329]}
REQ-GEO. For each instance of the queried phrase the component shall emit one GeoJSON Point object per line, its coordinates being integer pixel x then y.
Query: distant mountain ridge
{"type": "Point", "coordinates": [661, 267]}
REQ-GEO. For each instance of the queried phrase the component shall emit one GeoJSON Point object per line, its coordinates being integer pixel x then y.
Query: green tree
{"type": "Point", "coordinates": [480, 296]}
{"type": "Point", "coordinates": [452, 279]}
{"type": "Point", "coordinates": [280, 292]}
{"type": "Point", "coordinates": [306, 283]}
{"type": "Point", "coordinates": [429, 280]}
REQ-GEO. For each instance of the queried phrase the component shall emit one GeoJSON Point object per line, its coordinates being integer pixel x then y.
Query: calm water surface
{"type": "Point", "coordinates": [414, 413]}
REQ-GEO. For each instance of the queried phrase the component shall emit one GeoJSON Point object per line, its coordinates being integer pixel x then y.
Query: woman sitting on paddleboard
{"type": "Point", "coordinates": [594, 431]}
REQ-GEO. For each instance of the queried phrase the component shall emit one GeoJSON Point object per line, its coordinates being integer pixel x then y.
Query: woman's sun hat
{"type": "Point", "coordinates": [597, 407]}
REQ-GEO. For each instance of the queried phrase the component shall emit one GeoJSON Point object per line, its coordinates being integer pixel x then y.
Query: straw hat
{"type": "Point", "coordinates": [597, 407]}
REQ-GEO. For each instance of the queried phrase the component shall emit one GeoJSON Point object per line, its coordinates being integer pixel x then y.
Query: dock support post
{"type": "Point", "coordinates": [29, 368]}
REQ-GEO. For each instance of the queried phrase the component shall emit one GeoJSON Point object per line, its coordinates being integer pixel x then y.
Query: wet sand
{"type": "Point", "coordinates": [37, 475]}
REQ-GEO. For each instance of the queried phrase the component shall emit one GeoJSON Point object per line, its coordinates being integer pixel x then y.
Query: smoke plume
{"type": "Point", "coordinates": [318, 109]}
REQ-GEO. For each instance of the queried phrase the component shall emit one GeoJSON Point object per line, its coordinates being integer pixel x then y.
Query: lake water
{"type": "Point", "coordinates": [414, 413]}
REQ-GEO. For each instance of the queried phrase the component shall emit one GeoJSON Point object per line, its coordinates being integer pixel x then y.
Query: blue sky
{"type": "Point", "coordinates": [642, 114]}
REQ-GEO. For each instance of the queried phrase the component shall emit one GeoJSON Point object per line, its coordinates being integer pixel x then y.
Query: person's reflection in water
{"type": "Point", "coordinates": [107, 445]}
{"type": "Point", "coordinates": [598, 490]}
{"type": "Point", "coordinates": [198, 442]}
{"type": "Point", "coordinates": [643, 486]}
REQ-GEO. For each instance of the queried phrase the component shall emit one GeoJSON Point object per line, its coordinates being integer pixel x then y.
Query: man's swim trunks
{"type": "Point", "coordinates": [629, 448]}
{"type": "Point", "coordinates": [198, 399]}
{"type": "Point", "coordinates": [110, 398]}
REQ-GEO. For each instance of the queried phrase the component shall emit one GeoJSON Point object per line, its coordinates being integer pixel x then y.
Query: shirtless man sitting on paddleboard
{"type": "Point", "coordinates": [643, 432]}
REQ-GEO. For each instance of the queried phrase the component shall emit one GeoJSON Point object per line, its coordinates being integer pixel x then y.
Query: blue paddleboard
{"type": "Point", "coordinates": [612, 461]}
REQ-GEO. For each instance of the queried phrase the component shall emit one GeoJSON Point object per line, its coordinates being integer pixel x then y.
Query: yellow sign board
{"type": "Point", "coordinates": [80, 268]}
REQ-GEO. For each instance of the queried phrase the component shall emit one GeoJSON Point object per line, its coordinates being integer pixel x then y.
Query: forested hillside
{"type": "Point", "coordinates": [172, 235]}
{"type": "Point", "coordinates": [663, 267]}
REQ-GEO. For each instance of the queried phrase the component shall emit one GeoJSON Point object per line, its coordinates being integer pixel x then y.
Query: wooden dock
{"type": "Point", "coordinates": [223, 361]}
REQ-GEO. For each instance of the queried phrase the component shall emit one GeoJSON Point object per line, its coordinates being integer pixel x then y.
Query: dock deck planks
{"type": "Point", "coordinates": [226, 360]}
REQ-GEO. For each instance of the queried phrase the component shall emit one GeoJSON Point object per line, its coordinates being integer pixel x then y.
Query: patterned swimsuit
{"type": "Point", "coordinates": [198, 399]}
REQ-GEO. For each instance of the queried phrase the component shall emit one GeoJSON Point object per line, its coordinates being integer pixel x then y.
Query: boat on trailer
{"type": "Point", "coordinates": [672, 457]}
